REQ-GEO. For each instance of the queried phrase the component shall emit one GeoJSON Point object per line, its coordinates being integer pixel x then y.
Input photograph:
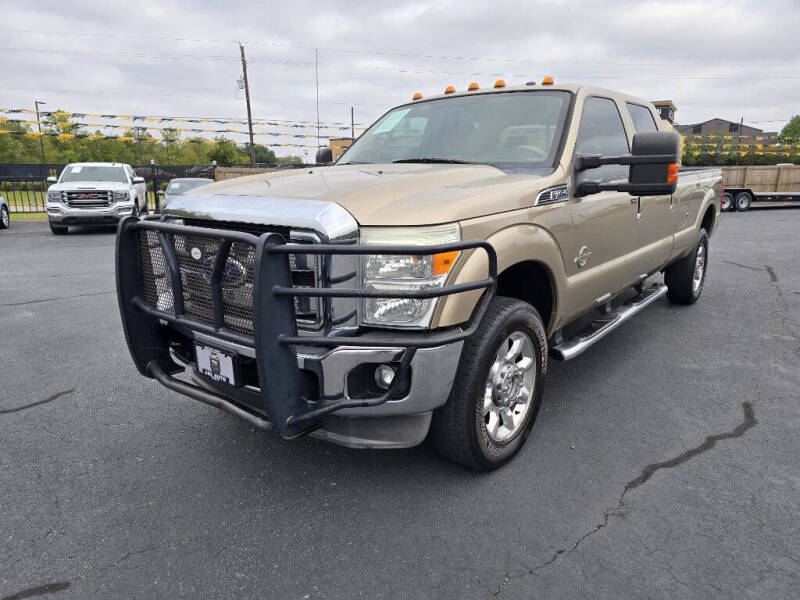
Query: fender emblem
{"type": "Point", "coordinates": [584, 254]}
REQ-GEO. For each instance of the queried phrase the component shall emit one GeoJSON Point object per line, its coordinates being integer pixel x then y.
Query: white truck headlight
{"type": "Point", "coordinates": [54, 196]}
{"type": "Point", "coordinates": [401, 273]}
{"type": "Point", "coordinates": [120, 196]}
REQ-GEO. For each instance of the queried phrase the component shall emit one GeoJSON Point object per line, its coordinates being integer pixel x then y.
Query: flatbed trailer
{"type": "Point", "coordinates": [748, 184]}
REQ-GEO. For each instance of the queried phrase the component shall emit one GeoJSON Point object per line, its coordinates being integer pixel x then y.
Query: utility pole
{"type": "Point", "coordinates": [316, 79]}
{"type": "Point", "coordinates": [249, 114]}
{"type": "Point", "coordinates": [41, 137]}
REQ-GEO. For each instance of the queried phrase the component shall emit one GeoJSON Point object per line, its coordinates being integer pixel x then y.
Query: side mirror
{"type": "Point", "coordinates": [52, 179]}
{"type": "Point", "coordinates": [138, 179]}
{"type": "Point", "coordinates": [654, 164]}
{"type": "Point", "coordinates": [160, 193]}
{"type": "Point", "coordinates": [324, 156]}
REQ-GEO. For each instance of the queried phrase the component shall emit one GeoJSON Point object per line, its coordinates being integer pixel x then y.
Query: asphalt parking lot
{"type": "Point", "coordinates": [664, 463]}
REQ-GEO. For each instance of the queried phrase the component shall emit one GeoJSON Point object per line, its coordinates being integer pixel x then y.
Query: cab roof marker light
{"type": "Point", "coordinates": [449, 89]}
{"type": "Point", "coordinates": [472, 87]}
{"type": "Point", "coordinates": [500, 83]}
{"type": "Point", "coordinates": [417, 96]}
{"type": "Point", "coordinates": [547, 80]}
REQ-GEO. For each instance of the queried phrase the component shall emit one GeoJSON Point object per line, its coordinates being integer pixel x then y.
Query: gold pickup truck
{"type": "Point", "coordinates": [420, 284]}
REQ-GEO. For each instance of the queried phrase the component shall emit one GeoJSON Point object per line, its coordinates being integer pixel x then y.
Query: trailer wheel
{"type": "Point", "coordinates": [743, 200]}
{"type": "Point", "coordinates": [727, 202]}
{"type": "Point", "coordinates": [497, 390]}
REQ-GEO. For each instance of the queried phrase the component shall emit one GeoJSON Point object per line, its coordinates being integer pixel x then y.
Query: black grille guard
{"type": "Point", "coordinates": [275, 327]}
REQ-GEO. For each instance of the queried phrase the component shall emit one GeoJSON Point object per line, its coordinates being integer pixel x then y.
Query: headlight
{"type": "Point", "coordinates": [399, 273]}
{"type": "Point", "coordinates": [54, 196]}
{"type": "Point", "coordinates": [120, 196]}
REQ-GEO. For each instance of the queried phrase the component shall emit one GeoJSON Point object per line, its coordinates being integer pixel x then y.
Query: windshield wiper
{"type": "Point", "coordinates": [434, 159]}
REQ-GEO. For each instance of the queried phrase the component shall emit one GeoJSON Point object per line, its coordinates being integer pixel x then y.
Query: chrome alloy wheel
{"type": "Point", "coordinates": [699, 269]}
{"type": "Point", "coordinates": [509, 388]}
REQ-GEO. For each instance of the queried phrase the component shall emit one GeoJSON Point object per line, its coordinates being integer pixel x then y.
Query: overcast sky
{"type": "Point", "coordinates": [712, 58]}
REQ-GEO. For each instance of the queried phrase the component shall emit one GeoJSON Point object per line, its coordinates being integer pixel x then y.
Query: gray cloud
{"type": "Point", "coordinates": [713, 58]}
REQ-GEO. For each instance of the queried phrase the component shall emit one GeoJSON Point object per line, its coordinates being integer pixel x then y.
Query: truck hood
{"type": "Point", "coordinates": [390, 194]}
{"type": "Point", "coordinates": [88, 186]}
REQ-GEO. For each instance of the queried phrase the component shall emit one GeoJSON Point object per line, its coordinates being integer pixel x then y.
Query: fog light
{"type": "Point", "coordinates": [384, 376]}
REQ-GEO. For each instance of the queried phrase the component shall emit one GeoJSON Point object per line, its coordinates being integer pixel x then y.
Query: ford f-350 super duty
{"type": "Point", "coordinates": [420, 284]}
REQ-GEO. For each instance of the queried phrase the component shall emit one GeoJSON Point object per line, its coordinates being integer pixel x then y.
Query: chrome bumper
{"type": "Point", "coordinates": [58, 213]}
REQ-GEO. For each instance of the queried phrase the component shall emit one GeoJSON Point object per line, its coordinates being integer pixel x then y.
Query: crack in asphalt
{"type": "Point", "coordinates": [39, 590]}
{"type": "Point", "coordinates": [55, 299]}
{"type": "Point", "coordinates": [772, 276]}
{"type": "Point", "coordinates": [6, 411]}
{"type": "Point", "coordinates": [645, 475]}
{"type": "Point", "coordinates": [730, 262]}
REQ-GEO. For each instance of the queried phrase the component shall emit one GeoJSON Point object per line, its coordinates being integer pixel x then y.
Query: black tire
{"type": "Point", "coordinates": [726, 204]}
{"type": "Point", "coordinates": [59, 229]}
{"type": "Point", "coordinates": [5, 218]}
{"type": "Point", "coordinates": [680, 275]}
{"type": "Point", "coordinates": [459, 430]}
{"type": "Point", "coordinates": [743, 201]}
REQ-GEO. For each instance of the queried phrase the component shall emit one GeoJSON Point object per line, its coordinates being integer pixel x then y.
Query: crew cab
{"type": "Point", "coordinates": [94, 194]}
{"type": "Point", "coordinates": [420, 285]}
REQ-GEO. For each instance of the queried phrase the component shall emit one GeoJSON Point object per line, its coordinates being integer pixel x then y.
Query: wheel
{"type": "Point", "coordinates": [5, 220]}
{"type": "Point", "coordinates": [59, 229]}
{"type": "Point", "coordinates": [743, 200]}
{"type": "Point", "coordinates": [726, 203]}
{"type": "Point", "coordinates": [686, 277]}
{"type": "Point", "coordinates": [498, 388]}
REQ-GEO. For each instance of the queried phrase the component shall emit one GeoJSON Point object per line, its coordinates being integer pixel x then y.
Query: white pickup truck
{"type": "Point", "coordinates": [94, 194]}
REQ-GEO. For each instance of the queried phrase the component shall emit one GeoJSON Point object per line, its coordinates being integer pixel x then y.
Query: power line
{"type": "Point", "coordinates": [389, 53]}
{"type": "Point", "coordinates": [161, 94]}
{"type": "Point", "coordinates": [390, 69]}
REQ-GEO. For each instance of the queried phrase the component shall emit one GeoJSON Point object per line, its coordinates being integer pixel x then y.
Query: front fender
{"type": "Point", "coordinates": [513, 245]}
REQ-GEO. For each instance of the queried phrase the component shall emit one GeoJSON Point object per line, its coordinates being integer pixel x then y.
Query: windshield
{"type": "Point", "coordinates": [512, 128]}
{"type": "Point", "coordinates": [177, 188]}
{"type": "Point", "coordinates": [92, 173]}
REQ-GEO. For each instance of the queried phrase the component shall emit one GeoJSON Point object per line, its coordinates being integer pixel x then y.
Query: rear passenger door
{"type": "Point", "coordinates": [603, 225]}
{"type": "Point", "coordinates": [655, 214]}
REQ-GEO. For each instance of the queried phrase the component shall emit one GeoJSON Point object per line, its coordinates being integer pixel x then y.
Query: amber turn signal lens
{"type": "Point", "coordinates": [472, 87]}
{"type": "Point", "coordinates": [500, 83]}
{"type": "Point", "coordinates": [449, 89]}
{"type": "Point", "coordinates": [547, 80]}
{"type": "Point", "coordinates": [444, 261]}
{"type": "Point", "coordinates": [417, 96]}
{"type": "Point", "coordinates": [672, 173]}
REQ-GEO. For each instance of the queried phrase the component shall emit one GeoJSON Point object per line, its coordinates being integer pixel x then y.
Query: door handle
{"type": "Point", "coordinates": [634, 200]}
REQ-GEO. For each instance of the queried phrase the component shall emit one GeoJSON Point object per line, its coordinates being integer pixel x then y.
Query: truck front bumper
{"type": "Point", "coordinates": [61, 214]}
{"type": "Point", "coordinates": [298, 383]}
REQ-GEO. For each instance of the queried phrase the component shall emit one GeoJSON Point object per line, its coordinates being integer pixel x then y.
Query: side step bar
{"type": "Point", "coordinates": [606, 323]}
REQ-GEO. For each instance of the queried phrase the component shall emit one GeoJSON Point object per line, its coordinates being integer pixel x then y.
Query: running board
{"type": "Point", "coordinates": [606, 323]}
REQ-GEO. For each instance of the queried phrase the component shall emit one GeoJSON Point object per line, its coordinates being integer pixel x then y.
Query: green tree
{"type": "Point", "coordinates": [791, 131]}
{"type": "Point", "coordinates": [224, 152]}
{"type": "Point", "coordinates": [265, 155]}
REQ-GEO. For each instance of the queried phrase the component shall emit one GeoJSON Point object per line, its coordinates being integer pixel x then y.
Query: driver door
{"type": "Point", "coordinates": [604, 236]}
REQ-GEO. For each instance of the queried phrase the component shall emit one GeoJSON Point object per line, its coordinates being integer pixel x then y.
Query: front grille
{"type": "Point", "coordinates": [196, 256]}
{"type": "Point", "coordinates": [88, 199]}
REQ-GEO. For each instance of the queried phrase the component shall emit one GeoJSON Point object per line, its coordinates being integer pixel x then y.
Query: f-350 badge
{"type": "Point", "coordinates": [583, 256]}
